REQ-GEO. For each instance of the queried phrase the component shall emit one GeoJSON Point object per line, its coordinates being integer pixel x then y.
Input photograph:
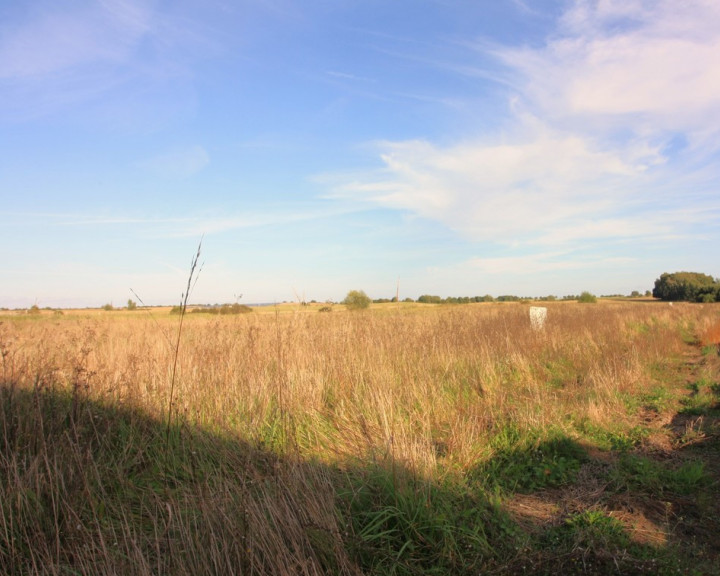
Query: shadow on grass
{"type": "Point", "coordinates": [89, 488]}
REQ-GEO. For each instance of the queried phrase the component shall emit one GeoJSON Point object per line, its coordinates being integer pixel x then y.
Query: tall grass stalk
{"type": "Point", "coordinates": [192, 280]}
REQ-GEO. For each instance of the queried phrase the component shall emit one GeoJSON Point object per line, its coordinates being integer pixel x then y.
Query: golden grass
{"type": "Point", "coordinates": [359, 385]}
{"type": "Point", "coordinates": [424, 388]}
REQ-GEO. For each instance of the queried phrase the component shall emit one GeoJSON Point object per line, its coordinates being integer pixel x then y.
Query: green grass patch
{"type": "Point", "coordinates": [658, 399]}
{"type": "Point", "coordinates": [401, 524]}
{"type": "Point", "coordinates": [591, 530]}
{"type": "Point", "coordinates": [710, 350]}
{"type": "Point", "coordinates": [704, 398]}
{"type": "Point", "coordinates": [528, 462]}
{"type": "Point", "coordinates": [640, 473]}
{"type": "Point", "coordinates": [615, 439]}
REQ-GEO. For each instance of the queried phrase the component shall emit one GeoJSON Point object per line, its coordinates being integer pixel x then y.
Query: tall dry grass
{"type": "Point", "coordinates": [269, 412]}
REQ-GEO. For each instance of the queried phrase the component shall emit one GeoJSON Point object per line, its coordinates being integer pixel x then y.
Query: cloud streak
{"type": "Point", "coordinates": [110, 53]}
{"type": "Point", "coordinates": [53, 41]}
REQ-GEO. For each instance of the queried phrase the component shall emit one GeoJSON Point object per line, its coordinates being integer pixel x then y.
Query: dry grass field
{"type": "Point", "coordinates": [405, 439]}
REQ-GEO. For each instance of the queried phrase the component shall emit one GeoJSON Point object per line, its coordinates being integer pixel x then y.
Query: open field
{"type": "Point", "coordinates": [406, 439]}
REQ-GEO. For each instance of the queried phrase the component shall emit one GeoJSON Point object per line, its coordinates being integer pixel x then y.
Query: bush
{"type": "Point", "coordinates": [587, 298]}
{"type": "Point", "coordinates": [356, 300]}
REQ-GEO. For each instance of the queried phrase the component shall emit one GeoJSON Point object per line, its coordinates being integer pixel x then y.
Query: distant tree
{"type": "Point", "coordinates": [429, 299]}
{"type": "Point", "coordinates": [634, 294]}
{"type": "Point", "coordinates": [356, 300]}
{"type": "Point", "coordinates": [108, 307]}
{"type": "Point", "coordinates": [508, 298]}
{"type": "Point", "coordinates": [587, 298]}
{"type": "Point", "coordinates": [686, 286]}
{"type": "Point", "coordinates": [131, 305]}
{"type": "Point", "coordinates": [34, 309]}
{"type": "Point", "coordinates": [222, 310]}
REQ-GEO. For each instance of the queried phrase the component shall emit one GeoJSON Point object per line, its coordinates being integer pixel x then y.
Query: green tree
{"type": "Point", "coordinates": [429, 299]}
{"type": "Point", "coordinates": [131, 305]}
{"type": "Point", "coordinates": [356, 300]}
{"type": "Point", "coordinates": [687, 286]}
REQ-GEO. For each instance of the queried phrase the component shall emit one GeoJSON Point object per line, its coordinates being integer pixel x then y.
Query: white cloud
{"type": "Point", "coordinates": [503, 191]}
{"type": "Point", "coordinates": [586, 150]}
{"type": "Point", "coordinates": [643, 66]}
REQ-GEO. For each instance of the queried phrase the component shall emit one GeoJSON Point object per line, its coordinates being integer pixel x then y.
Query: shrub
{"type": "Point", "coordinates": [587, 298]}
{"type": "Point", "coordinates": [356, 300]}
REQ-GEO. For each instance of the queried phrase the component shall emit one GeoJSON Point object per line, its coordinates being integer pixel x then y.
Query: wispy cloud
{"type": "Point", "coordinates": [544, 262]}
{"type": "Point", "coordinates": [504, 191]}
{"type": "Point", "coordinates": [57, 56]}
{"type": "Point", "coordinates": [206, 224]}
{"type": "Point", "coordinates": [54, 40]}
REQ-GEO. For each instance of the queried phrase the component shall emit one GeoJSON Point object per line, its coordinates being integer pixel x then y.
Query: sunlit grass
{"type": "Point", "coordinates": [382, 440]}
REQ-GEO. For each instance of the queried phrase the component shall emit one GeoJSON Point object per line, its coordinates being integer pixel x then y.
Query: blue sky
{"type": "Point", "coordinates": [460, 147]}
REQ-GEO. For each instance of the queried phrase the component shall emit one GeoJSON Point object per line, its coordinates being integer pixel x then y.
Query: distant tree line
{"type": "Point", "coordinates": [220, 309]}
{"type": "Point", "coordinates": [687, 287]}
{"type": "Point", "coordinates": [433, 299]}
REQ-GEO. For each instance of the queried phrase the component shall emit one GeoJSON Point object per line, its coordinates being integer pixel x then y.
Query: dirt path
{"type": "Point", "coordinates": [664, 492]}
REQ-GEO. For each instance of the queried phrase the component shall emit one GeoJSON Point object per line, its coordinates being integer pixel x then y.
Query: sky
{"type": "Point", "coordinates": [447, 147]}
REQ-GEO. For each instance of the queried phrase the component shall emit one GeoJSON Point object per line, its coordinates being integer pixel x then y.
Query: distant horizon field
{"type": "Point", "coordinates": [338, 305]}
